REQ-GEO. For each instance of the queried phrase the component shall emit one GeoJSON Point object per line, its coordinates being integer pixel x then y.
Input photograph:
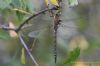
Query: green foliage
{"type": "Point", "coordinates": [95, 42]}
{"type": "Point", "coordinates": [5, 7]}
{"type": "Point", "coordinates": [4, 35]}
{"type": "Point", "coordinates": [72, 3]}
{"type": "Point", "coordinates": [22, 56]}
{"type": "Point", "coordinates": [14, 63]}
{"type": "Point", "coordinates": [18, 9]}
{"type": "Point", "coordinates": [73, 55]}
{"type": "Point", "coordinates": [30, 7]}
{"type": "Point", "coordinates": [20, 5]}
{"type": "Point", "coordinates": [82, 22]}
{"type": "Point", "coordinates": [83, 18]}
{"type": "Point", "coordinates": [4, 4]}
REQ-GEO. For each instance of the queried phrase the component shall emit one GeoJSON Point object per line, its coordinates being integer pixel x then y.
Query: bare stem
{"type": "Point", "coordinates": [6, 28]}
{"type": "Point", "coordinates": [25, 46]}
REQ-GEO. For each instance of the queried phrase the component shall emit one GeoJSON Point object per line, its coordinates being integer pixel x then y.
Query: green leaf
{"type": "Point", "coordinates": [15, 3]}
{"type": "Point", "coordinates": [22, 56]}
{"type": "Point", "coordinates": [20, 16]}
{"type": "Point", "coordinates": [4, 4]}
{"type": "Point", "coordinates": [95, 42]}
{"type": "Point", "coordinates": [4, 35]}
{"type": "Point", "coordinates": [73, 55]}
{"type": "Point", "coordinates": [73, 3]}
{"type": "Point", "coordinates": [82, 23]}
{"type": "Point", "coordinates": [30, 7]}
{"type": "Point", "coordinates": [21, 5]}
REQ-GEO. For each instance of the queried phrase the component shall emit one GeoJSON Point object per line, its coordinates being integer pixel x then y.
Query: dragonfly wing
{"type": "Point", "coordinates": [33, 34]}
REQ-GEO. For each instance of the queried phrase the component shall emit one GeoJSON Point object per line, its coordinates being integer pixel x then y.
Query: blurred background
{"type": "Point", "coordinates": [80, 27]}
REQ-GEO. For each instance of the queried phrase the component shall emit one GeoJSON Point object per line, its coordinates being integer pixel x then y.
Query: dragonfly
{"type": "Point", "coordinates": [39, 23]}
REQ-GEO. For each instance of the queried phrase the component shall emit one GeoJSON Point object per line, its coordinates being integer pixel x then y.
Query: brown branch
{"type": "Point", "coordinates": [34, 15]}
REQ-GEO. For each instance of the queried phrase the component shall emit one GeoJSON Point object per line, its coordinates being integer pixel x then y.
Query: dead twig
{"type": "Point", "coordinates": [6, 28]}
{"type": "Point", "coordinates": [28, 51]}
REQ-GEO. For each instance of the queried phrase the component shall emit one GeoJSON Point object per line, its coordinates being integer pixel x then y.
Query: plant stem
{"type": "Point", "coordinates": [6, 28]}
{"type": "Point", "coordinates": [28, 51]}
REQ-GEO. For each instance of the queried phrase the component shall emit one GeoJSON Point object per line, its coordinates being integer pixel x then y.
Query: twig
{"type": "Point", "coordinates": [28, 51]}
{"type": "Point", "coordinates": [6, 28]}
{"type": "Point", "coordinates": [34, 15]}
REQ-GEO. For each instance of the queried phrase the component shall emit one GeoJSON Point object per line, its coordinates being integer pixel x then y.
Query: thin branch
{"type": "Point", "coordinates": [6, 28]}
{"type": "Point", "coordinates": [28, 51]}
{"type": "Point", "coordinates": [34, 15]}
